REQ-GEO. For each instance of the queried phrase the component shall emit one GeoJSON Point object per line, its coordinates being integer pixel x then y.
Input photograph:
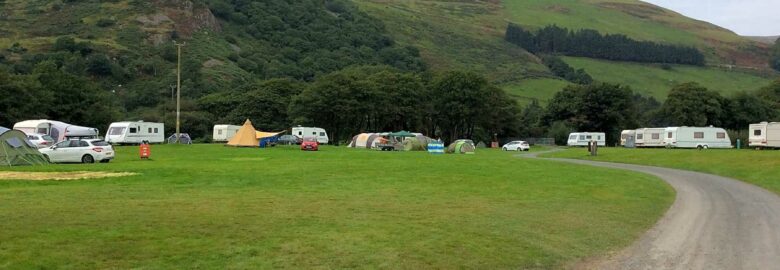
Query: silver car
{"type": "Point", "coordinates": [83, 151]}
{"type": "Point", "coordinates": [40, 140]}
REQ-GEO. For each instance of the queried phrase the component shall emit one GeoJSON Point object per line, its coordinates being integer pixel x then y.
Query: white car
{"type": "Point", "coordinates": [84, 151]}
{"type": "Point", "coordinates": [516, 146]}
{"type": "Point", "coordinates": [40, 140]}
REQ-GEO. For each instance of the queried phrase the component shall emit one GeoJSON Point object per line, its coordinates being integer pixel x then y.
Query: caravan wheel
{"type": "Point", "coordinates": [699, 147]}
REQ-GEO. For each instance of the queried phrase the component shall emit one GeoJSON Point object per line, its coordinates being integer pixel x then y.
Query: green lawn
{"type": "Point", "coordinates": [652, 80]}
{"type": "Point", "coordinates": [758, 167]}
{"type": "Point", "coordinates": [209, 206]}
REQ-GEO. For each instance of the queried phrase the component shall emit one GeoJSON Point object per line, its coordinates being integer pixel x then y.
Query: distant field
{"type": "Point", "coordinates": [209, 206]}
{"type": "Point", "coordinates": [542, 89]}
{"type": "Point", "coordinates": [761, 168]}
{"type": "Point", "coordinates": [652, 80]}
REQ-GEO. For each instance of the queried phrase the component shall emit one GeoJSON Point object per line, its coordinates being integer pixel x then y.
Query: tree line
{"type": "Point", "coordinates": [774, 61]}
{"type": "Point", "coordinates": [591, 43]}
{"type": "Point", "coordinates": [611, 108]}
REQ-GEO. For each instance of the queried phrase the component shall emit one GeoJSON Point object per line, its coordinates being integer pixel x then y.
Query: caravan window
{"type": "Point", "coordinates": [314, 133]}
{"type": "Point", "coordinates": [300, 133]}
{"type": "Point", "coordinates": [640, 136]}
{"type": "Point", "coordinates": [669, 135]}
{"type": "Point", "coordinates": [589, 137]}
{"type": "Point", "coordinates": [599, 137]}
{"type": "Point", "coordinates": [757, 132]}
{"type": "Point", "coordinates": [150, 130]}
{"type": "Point", "coordinates": [155, 130]}
{"type": "Point", "coordinates": [133, 130]}
{"type": "Point", "coordinates": [219, 132]}
{"type": "Point", "coordinates": [42, 131]}
{"type": "Point", "coordinates": [721, 135]}
{"type": "Point", "coordinates": [116, 131]}
{"type": "Point", "coordinates": [582, 137]}
{"type": "Point", "coordinates": [656, 136]}
{"type": "Point", "coordinates": [698, 135]}
{"type": "Point", "coordinates": [322, 134]}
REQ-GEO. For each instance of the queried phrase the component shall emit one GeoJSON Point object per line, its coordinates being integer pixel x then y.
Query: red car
{"type": "Point", "coordinates": [310, 144]}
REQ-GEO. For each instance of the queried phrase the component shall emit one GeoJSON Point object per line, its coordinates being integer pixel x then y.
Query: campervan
{"type": "Point", "coordinates": [319, 133]}
{"type": "Point", "coordinates": [59, 131]}
{"type": "Point", "coordinates": [135, 132]}
{"type": "Point", "coordinates": [582, 138]}
{"type": "Point", "coordinates": [223, 133]}
{"type": "Point", "coordinates": [765, 135]}
{"type": "Point", "coordinates": [697, 137]}
{"type": "Point", "coordinates": [649, 137]}
{"type": "Point", "coordinates": [627, 137]}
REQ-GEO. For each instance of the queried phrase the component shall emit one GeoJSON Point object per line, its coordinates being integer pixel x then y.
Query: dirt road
{"type": "Point", "coordinates": [714, 223]}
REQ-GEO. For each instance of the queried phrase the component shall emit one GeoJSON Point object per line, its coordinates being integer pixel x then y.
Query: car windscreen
{"type": "Point", "coordinates": [116, 131]}
{"type": "Point", "coordinates": [100, 143]}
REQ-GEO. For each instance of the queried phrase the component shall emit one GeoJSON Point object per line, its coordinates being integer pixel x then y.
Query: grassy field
{"type": "Point", "coordinates": [542, 89]}
{"type": "Point", "coordinates": [761, 168]}
{"type": "Point", "coordinates": [208, 206]}
{"type": "Point", "coordinates": [652, 80]}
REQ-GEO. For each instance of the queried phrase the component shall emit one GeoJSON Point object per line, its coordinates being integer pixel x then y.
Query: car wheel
{"type": "Point", "coordinates": [519, 149]}
{"type": "Point", "coordinates": [504, 149]}
{"type": "Point", "coordinates": [87, 159]}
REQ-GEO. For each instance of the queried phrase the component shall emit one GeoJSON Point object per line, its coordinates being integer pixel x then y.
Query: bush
{"type": "Point", "coordinates": [560, 132]}
{"type": "Point", "coordinates": [105, 22]}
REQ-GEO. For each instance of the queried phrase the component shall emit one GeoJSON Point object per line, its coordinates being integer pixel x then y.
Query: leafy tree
{"type": "Point", "coordinates": [563, 70]}
{"type": "Point", "coordinates": [747, 108]}
{"type": "Point", "coordinates": [21, 98]}
{"type": "Point", "coordinates": [596, 107]}
{"type": "Point", "coordinates": [531, 120]}
{"type": "Point", "coordinates": [690, 104]}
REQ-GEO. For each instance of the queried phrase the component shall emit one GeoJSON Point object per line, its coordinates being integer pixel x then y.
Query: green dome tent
{"type": "Point", "coordinates": [16, 150]}
{"type": "Point", "coordinates": [461, 147]}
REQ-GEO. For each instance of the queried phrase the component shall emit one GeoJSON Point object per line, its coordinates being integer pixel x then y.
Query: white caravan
{"type": "Point", "coordinates": [764, 135]}
{"type": "Point", "coordinates": [301, 132]}
{"type": "Point", "coordinates": [626, 135]}
{"type": "Point", "coordinates": [697, 137]}
{"type": "Point", "coordinates": [59, 131]}
{"type": "Point", "coordinates": [650, 137]}
{"type": "Point", "coordinates": [135, 132]}
{"type": "Point", "coordinates": [582, 138]}
{"type": "Point", "coordinates": [223, 133]}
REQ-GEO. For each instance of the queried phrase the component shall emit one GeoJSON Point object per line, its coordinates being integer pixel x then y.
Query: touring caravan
{"type": "Point", "coordinates": [697, 137]}
{"type": "Point", "coordinates": [650, 137]}
{"type": "Point", "coordinates": [301, 132]}
{"type": "Point", "coordinates": [764, 135]}
{"type": "Point", "coordinates": [582, 138]}
{"type": "Point", "coordinates": [135, 132]}
{"type": "Point", "coordinates": [59, 131]}
{"type": "Point", "coordinates": [223, 133]}
{"type": "Point", "coordinates": [627, 138]}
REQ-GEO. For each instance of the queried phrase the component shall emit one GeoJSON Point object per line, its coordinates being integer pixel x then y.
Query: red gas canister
{"type": "Point", "coordinates": [145, 151]}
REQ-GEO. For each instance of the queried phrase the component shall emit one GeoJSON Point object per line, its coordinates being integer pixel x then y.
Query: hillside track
{"type": "Point", "coordinates": [715, 223]}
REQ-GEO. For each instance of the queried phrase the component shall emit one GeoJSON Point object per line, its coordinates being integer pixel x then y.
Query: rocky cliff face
{"type": "Point", "coordinates": [177, 19]}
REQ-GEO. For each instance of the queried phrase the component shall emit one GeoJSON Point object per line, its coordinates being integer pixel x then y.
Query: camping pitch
{"type": "Point", "coordinates": [15, 149]}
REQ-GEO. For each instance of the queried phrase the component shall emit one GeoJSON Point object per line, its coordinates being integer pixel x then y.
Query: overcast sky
{"type": "Point", "coordinates": [745, 17]}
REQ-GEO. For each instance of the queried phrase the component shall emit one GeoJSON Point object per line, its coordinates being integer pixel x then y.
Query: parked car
{"type": "Point", "coordinates": [288, 140]}
{"type": "Point", "coordinates": [84, 151]}
{"type": "Point", "coordinates": [310, 144]}
{"type": "Point", "coordinates": [40, 140]}
{"type": "Point", "coordinates": [516, 146]}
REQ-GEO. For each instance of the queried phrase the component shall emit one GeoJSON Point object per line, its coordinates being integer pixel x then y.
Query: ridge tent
{"type": "Point", "coordinates": [461, 147]}
{"type": "Point", "coordinates": [246, 136]}
{"type": "Point", "coordinates": [15, 149]}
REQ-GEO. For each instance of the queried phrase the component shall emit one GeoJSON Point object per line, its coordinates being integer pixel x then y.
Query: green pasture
{"type": "Point", "coordinates": [209, 206]}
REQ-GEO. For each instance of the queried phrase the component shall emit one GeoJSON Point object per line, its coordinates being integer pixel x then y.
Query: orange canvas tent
{"type": "Point", "coordinates": [246, 136]}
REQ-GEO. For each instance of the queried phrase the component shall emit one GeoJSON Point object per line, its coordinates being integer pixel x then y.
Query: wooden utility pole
{"type": "Point", "coordinates": [178, 90]}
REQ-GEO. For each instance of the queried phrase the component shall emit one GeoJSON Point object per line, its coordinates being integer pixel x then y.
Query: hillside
{"type": "Point", "coordinates": [454, 34]}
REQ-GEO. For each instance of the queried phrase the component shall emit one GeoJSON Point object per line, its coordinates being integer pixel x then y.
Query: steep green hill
{"type": "Point", "coordinates": [469, 34]}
